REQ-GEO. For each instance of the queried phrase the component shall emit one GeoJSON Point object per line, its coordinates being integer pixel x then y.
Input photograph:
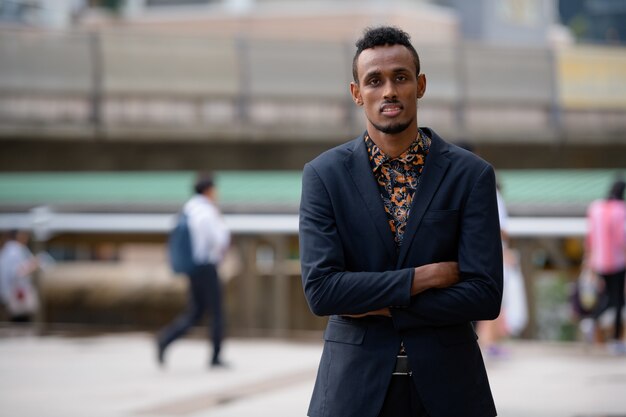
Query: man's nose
{"type": "Point", "coordinates": [389, 90]}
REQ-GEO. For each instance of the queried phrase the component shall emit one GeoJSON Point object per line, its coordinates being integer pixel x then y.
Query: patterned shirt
{"type": "Point", "coordinates": [398, 179]}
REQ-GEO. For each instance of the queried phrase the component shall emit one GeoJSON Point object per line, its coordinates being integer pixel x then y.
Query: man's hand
{"type": "Point", "coordinates": [437, 275]}
{"type": "Point", "coordinates": [381, 312]}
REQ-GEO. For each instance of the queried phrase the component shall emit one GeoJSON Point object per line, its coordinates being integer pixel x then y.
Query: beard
{"type": "Point", "coordinates": [393, 128]}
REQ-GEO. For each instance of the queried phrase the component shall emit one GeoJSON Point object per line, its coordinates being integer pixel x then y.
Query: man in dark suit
{"type": "Point", "coordinates": [400, 246]}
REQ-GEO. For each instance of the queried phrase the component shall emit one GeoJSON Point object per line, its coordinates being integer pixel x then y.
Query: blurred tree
{"type": "Point", "coordinates": [598, 21]}
{"type": "Point", "coordinates": [579, 25]}
{"type": "Point", "coordinates": [114, 6]}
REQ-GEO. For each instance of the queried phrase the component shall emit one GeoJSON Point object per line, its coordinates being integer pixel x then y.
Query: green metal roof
{"type": "Point", "coordinates": [242, 188]}
{"type": "Point", "coordinates": [236, 187]}
{"type": "Point", "coordinates": [265, 187]}
{"type": "Point", "coordinates": [554, 186]}
{"type": "Point", "coordinates": [117, 187]}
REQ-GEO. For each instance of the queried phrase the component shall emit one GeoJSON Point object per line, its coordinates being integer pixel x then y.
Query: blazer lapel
{"type": "Point", "coordinates": [434, 171]}
{"type": "Point", "coordinates": [360, 171]}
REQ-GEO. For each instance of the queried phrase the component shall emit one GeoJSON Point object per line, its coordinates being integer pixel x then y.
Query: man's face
{"type": "Point", "coordinates": [388, 88]}
{"type": "Point", "coordinates": [210, 193]}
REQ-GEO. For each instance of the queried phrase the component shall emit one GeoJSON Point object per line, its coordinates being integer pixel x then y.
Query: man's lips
{"type": "Point", "coordinates": [391, 109]}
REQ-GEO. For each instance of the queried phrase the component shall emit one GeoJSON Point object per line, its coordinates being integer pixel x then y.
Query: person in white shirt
{"type": "Point", "coordinates": [210, 239]}
{"type": "Point", "coordinates": [17, 290]}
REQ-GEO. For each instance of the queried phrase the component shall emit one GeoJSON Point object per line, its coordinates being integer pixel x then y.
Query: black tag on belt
{"type": "Point", "coordinates": [402, 366]}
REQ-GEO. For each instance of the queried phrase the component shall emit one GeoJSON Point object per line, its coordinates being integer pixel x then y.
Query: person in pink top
{"type": "Point", "coordinates": [606, 253]}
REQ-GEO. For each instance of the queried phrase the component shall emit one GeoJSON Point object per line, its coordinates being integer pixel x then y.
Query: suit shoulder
{"type": "Point", "coordinates": [467, 159]}
{"type": "Point", "coordinates": [460, 158]}
{"type": "Point", "coordinates": [332, 157]}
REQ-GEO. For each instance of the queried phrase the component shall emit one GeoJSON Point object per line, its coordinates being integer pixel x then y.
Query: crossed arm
{"type": "Point", "coordinates": [435, 275]}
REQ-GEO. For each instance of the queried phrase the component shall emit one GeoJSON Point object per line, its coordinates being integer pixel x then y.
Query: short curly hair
{"type": "Point", "coordinates": [381, 36]}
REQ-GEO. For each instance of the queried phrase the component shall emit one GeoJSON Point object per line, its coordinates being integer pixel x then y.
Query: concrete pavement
{"type": "Point", "coordinates": [115, 375]}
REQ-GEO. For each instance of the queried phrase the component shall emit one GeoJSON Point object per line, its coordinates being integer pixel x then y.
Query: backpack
{"type": "Point", "coordinates": [179, 247]}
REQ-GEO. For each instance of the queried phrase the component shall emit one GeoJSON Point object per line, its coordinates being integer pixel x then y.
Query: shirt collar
{"type": "Point", "coordinates": [419, 146]}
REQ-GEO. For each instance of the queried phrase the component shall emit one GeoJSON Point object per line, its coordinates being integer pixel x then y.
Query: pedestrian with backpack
{"type": "Point", "coordinates": [196, 246]}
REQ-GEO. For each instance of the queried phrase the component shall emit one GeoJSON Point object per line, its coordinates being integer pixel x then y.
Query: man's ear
{"type": "Point", "coordinates": [356, 93]}
{"type": "Point", "coordinates": [421, 85]}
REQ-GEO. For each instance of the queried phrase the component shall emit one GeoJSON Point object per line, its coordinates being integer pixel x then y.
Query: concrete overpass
{"type": "Point", "coordinates": [111, 99]}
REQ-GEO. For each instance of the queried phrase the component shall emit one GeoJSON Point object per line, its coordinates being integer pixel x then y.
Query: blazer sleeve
{"type": "Point", "coordinates": [478, 295]}
{"type": "Point", "coordinates": [328, 286]}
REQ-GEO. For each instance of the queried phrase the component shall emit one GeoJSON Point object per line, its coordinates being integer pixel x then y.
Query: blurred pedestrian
{"type": "Point", "coordinates": [514, 314]}
{"type": "Point", "coordinates": [210, 239]}
{"type": "Point", "coordinates": [400, 246]}
{"type": "Point", "coordinates": [17, 265]}
{"type": "Point", "coordinates": [606, 256]}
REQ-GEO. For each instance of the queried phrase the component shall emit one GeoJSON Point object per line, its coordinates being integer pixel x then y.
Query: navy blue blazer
{"type": "Point", "coordinates": [351, 265]}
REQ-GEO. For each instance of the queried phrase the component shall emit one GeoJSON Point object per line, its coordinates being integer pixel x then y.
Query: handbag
{"type": "Point", "coordinates": [24, 299]}
{"type": "Point", "coordinates": [587, 289]}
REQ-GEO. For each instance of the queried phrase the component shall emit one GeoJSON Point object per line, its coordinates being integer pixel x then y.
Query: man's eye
{"type": "Point", "coordinates": [401, 78]}
{"type": "Point", "coordinates": [373, 82]}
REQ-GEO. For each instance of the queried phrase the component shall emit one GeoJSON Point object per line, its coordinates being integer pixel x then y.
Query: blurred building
{"type": "Point", "coordinates": [527, 22]}
{"type": "Point", "coordinates": [49, 14]}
